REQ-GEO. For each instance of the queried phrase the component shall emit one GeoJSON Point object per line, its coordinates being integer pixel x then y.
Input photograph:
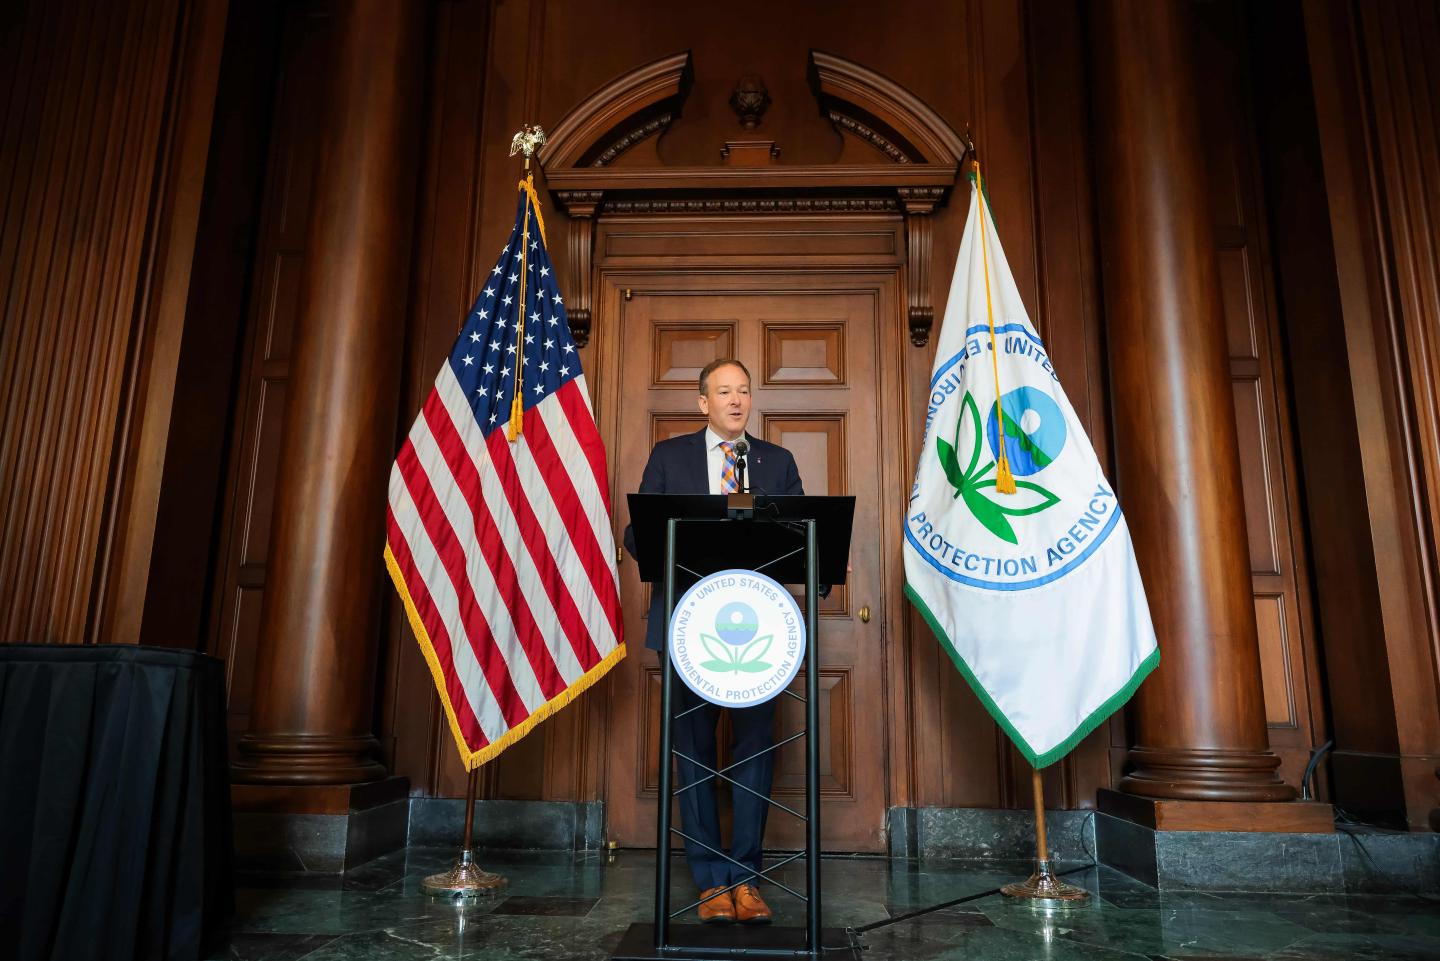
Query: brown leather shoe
{"type": "Point", "coordinates": [717, 906]}
{"type": "Point", "coordinates": [750, 908]}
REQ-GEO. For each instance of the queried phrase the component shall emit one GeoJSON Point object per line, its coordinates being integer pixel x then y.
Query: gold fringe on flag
{"type": "Point", "coordinates": [473, 759]}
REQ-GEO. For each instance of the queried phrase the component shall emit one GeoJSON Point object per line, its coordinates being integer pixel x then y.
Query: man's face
{"type": "Point", "coordinates": [726, 401]}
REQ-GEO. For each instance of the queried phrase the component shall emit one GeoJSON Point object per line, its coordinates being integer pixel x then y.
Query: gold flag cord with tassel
{"type": "Point", "coordinates": [517, 403]}
{"type": "Point", "coordinates": [1004, 479]}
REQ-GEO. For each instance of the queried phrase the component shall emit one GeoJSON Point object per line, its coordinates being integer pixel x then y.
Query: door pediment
{"type": "Point", "coordinates": [917, 158]}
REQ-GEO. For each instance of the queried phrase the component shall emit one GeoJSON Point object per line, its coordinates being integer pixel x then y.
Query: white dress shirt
{"type": "Point", "coordinates": [715, 457]}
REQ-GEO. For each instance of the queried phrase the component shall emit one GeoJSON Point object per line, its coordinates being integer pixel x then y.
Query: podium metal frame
{"type": "Point", "coordinates": [705, 942]}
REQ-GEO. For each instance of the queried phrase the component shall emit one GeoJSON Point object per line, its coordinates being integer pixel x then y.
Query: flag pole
{"type": "Point", "coordinates": [1043, 884]}
{"type": "Point", "coordinates": [466, 880]}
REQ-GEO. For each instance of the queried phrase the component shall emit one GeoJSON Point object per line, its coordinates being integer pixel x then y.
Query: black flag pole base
{"type": "Point", "coordinates": [1044, 885]}
{"type": "Point", "coordinates": [711, 942]}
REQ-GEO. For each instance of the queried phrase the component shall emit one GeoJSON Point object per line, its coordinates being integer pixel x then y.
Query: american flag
{"type": "Point", "coordinates": [502, 551]}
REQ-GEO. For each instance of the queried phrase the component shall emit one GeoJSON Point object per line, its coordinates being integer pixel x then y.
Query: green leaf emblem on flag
{"type": "Point", "coordinates": [969, 483]}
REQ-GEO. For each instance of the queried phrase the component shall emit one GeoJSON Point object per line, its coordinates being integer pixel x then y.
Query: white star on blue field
{"type": "Point", "coordinates": [489, 347]}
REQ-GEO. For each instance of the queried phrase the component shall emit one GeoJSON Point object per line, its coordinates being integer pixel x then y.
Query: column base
{"type": "Point", "coordinates": [1168, 814]}
{"type": "Point", "coordinates": [1270, 848]}
{"type": "Point", "coordinates": [1199, 775]}
{"type": "Point", "coordinates": [324, 829]}
{"type": "Point", "coordinates": [306, 759]}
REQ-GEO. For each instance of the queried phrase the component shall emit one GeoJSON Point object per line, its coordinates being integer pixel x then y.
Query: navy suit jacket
{"type": "Point", "coordinates": [679, 466]}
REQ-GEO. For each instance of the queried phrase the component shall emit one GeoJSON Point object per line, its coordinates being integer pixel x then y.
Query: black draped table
{"type": "Point", "coordinates": [114, 802]}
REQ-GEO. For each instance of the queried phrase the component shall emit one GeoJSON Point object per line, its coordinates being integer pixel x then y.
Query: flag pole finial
{"type": "Point", "coordinates": [529, 139]}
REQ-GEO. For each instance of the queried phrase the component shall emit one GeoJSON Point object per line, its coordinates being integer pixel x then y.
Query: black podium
{"type": "Point", "coordinates": [793, 540]}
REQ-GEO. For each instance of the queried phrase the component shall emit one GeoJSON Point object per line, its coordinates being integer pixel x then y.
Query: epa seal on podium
{"type": "Point", "coordinates": [737, 638]}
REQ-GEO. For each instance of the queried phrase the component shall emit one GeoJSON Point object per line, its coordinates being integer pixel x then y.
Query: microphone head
{"type": "Point", "coordinates": [741, 448]}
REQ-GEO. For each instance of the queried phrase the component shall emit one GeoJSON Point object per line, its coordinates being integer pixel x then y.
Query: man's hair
{"type": "Point", "coordinates": [715, 365]}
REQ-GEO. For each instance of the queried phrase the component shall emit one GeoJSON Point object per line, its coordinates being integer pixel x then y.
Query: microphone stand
{"type": "Point", "coordinates": [741, 503]}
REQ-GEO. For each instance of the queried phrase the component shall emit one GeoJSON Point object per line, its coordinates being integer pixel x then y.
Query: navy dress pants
{"type": "Point", "coordinates": [693, 735]}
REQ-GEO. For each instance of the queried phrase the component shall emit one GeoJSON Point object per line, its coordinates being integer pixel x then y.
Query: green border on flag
{"type": "Point", "coordinates": [1094, 720]}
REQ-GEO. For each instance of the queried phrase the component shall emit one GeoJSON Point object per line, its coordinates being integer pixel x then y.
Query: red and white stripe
{"type": "Point", "coordinates": [507, 559]}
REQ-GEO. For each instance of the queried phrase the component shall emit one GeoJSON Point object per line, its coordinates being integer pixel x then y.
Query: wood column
{"type": "Point", "coordinates": [1199, 720]}
{"type": "Point", "coordinates": [314, 675]}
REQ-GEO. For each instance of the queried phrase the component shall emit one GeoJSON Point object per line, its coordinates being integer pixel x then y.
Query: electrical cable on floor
{"type": "Point", "coordinates": [909, 916]}
{"type": "Point", "coordinates": [854, 933]}
{"type": "Point", "coordinates": [1346, 823]}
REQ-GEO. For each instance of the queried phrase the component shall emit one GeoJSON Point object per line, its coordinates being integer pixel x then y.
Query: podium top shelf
{"type": "Point", "coordinates": [772, 541]}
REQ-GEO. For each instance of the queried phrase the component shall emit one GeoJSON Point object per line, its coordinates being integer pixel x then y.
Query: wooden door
{"type": "Point", "coordinates": [811, 345]}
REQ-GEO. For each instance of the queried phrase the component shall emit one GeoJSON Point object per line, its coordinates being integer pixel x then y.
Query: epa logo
{"type": "Point", "coordinates": [1034, 436]}
{"type": "Point", "coordinates": [1034, 430]}
{"type": "Point", "coordinates": [737, 638]}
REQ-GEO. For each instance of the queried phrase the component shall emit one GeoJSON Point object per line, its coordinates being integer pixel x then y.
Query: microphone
{"type": "Point", "coordinates": [741, 449]}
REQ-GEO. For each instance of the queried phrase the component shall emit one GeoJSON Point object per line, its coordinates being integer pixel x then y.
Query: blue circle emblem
{"type": "Point", "coordinates": [737, 623]}
{"type": "Point", "coordinates": [1034, 430]}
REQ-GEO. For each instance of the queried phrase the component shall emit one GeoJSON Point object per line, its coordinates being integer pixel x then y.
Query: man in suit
{"type": "Point", "coordinates": [705, 463]}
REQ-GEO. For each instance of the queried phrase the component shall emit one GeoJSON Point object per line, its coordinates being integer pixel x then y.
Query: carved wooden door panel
{"type": "Point", "coordinates": [811, 348]}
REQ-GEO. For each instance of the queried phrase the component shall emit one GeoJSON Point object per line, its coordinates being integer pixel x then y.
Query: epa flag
{"type": "Point", "coordinates": [499, 538]}
{"type": "Point", "coordinates": [1034, 594]}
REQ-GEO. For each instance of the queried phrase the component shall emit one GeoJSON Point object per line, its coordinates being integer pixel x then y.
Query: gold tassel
{"type": "Point", "coordinates": [517, 420]}
{"type": "Point", "coordinates": [517, 407]}
{"type": "Point", "coordinates": [1004, 480]}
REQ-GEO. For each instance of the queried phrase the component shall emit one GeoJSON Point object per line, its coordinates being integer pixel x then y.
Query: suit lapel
{"type": "Point", "coordinates": [757, 465]}
{"type": "Point", "coordinates": [699, 463]}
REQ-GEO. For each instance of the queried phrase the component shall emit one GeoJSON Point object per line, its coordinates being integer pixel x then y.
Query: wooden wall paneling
{"type": "Point", "coordinates": [956, 759]}
{"type": "Point", "coordinates": [260, 404]}
{"type": "Point", "coordinates": [817, 439]}
{"type": "Point", "coordinates": [189, 515]}
{"type": "Point", "coordinates": [32, 147]}
{"type": "Point", "coordinates": [1279, 577]}
{"type": "Point", "coordinates": [516, 69]}
{"type": "Point", "coordinates": [1375, 128]}
{"type": "Point", "coordinates": [1068, 311]}
{"type": "Point", "coordinates": [812, 353]}
{"type": "Point", "coordinates": [1341, 555]}
{"type": "Point", "coordinates": [893, 350]}
{"type": "Point", "coordinates": [818, 442]}
{"type": "Point", "coordinates": [616, 37]}
{"type": "Point", "coordinates": [1003, 78]}
{"type": "Point", "coordinates": [98, 206]}
{"type": "Point", "coordinates": [714, 41]}
{"type": "Point", "coordinates": [682, 350]}
{"type": "Point", "coordinates": [125, 587]}
{"type": "Point", "coordinates": [58, 90]}
{"type": "Point", "coordinates": [414, 739]}
{"type": "Point", "coordinates": [468, 211]}
{"type": "Point", "coordinates": [313, 712]}
{"type": "Point", "coordinates": [1399, 44]}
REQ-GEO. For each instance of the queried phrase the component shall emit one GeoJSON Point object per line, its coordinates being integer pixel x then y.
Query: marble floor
{"type": "Point", "coordinates": [560, 906]}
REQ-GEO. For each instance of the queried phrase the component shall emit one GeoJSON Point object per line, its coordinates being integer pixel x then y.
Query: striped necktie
{"type": "Point", "coordinates": [729, 483]}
